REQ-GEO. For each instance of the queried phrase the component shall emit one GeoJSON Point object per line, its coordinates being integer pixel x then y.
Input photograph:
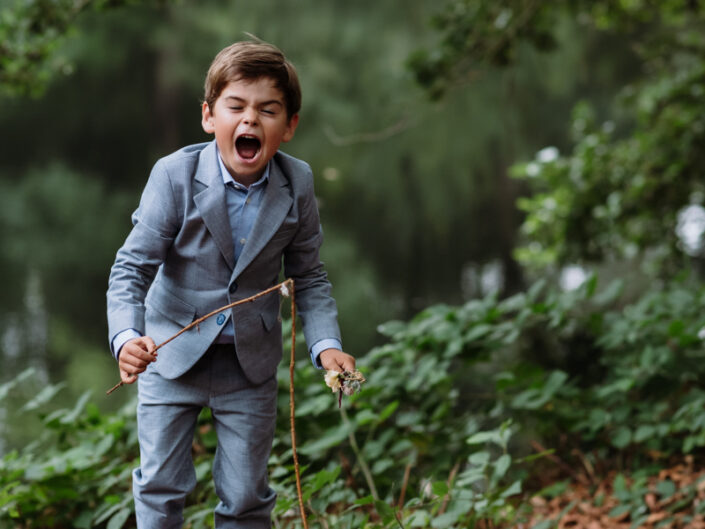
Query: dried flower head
{"type": "Point", "coordinates": [333, 380]}
{"type": "Point", "coordinates": [347, 382]}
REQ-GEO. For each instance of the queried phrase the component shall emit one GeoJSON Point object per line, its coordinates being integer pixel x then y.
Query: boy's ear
{"type": "Point", "coordinates": [207, 118]}
{"type": "Point", "coordinates": [290, 128]}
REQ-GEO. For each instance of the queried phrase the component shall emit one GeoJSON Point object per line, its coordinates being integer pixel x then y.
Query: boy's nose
{"type": "Point", "coordinates": [250, 117]}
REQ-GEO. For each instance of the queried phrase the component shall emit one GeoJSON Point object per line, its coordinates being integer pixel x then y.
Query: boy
{"type": "Point", "coordinates": [214, 224]}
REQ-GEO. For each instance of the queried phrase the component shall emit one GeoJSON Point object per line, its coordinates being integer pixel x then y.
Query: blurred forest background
{"type": "Point", "coordinates": [512, 199]}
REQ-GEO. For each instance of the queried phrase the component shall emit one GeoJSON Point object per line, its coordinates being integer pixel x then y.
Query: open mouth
{"type": "Point", "coordinates": [247, 146]}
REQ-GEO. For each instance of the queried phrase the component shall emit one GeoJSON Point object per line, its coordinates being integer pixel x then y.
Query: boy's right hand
{"type": "Point", "coordinates": [135, 356]}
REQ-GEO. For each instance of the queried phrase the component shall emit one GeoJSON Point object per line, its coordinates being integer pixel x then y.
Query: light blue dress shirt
{"type": "Point", "coordinates": [243, 205]}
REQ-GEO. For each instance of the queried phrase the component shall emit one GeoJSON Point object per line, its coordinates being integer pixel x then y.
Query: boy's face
{"type": "Point", "coordinates": [250, 121]}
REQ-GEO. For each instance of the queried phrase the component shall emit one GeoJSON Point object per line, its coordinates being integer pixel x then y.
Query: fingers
{"type": "Point", "coordinates": [127, 378]}
{"type": "Point", "coordinates": [336, 360]}
{"type": "Point", "coordinates": [144, 344]}
{"type": "Point", "coordinates": [146, 340]}
{"type": "Point", "coordinates": [135, 356]}
{"type": "Point", "coordinates": [348, 363]}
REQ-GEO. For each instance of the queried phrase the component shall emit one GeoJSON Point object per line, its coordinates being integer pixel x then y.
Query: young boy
{"type": "Point", "coordinates": [214, 224]}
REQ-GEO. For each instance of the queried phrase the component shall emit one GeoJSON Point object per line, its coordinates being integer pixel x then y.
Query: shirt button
{"type": "Point", "coordinates": [243, 240]}
{"type": "Point", "coordinates": [220, 319]}
{"type": "Point", "coordinates": [233, 288]}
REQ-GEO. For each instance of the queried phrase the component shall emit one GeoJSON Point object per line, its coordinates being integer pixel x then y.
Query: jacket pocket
{"type": "Point", "coordinates": [170, 306]}
{"type": "Point", "coordinates": [270, 313]}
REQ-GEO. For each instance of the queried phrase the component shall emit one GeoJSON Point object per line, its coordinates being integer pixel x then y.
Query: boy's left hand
{"type": "Point", "coordinates": [336, 360]}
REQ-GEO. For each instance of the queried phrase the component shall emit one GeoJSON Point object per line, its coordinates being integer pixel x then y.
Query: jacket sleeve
{"type": "Point", "coordinates": [315, 305]}
{"type": "Point", "coordinates": [155, 225]}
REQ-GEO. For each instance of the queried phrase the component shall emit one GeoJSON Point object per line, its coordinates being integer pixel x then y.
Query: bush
{"type": "Point", "coordinates": [441, 435]}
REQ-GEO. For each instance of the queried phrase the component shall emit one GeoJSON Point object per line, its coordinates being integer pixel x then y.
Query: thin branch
{"type": "Point", "coordinates": [565, 466]}
{"type": "Point", "coordinates": [451, 479]}
{"type": "Point", "coordinates": [366, 137]}
{"type": "Point", "coordinates": [360, 459]}
{"type": "Point", "coordinates": [204, 318]}
{"type": "Point", "coordinates": [404, 485]}
{"type": "Point", "coordinates": [292, 405]}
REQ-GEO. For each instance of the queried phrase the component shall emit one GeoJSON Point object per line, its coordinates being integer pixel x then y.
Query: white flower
{"type": "Point", "coordinates": [333, 380]}
{"type": "Point", "coordinates": [701, 333]}
{"type": "Point", "coordinates": [284, 291]}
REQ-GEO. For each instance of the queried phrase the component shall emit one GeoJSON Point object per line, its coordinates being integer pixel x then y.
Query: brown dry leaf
{"type": "Point", "coordinates": [651, 501]}
{"type": "Point", "coordinates": [590, 513]}
{"type": "Point", "coordinates": [657, 516]}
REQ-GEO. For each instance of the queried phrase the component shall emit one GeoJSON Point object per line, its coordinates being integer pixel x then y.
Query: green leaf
{"type": "Point", "coordinates": [676, 328]}
{"type": "Point", "coordinates": [479, 458]}
{"type": "Point", "coordinates": [366, 500]}
{"type": "Point", "coordinates": [388, 410]}
{"type": "Point", "coordinates": [391, 328]}
{"type": "Point", "coordinates": [555, 489]}
{"type": "Point", "coordinates": [502, 465]}
{"type": "Point", "coordinates": [622, 437]}
{"type": "Point", "coordinates": [323, 477]}
{"type": "Point", "coordinates": [45, 395]}
{"type": "Point", "coordinates": [512, 490]}
{"type": "Point", "coordinates": [619, 510]}
{"type": "Point", "coordinates": [536, 289]}
{"type": "Point", "coordinates": [365, 416]}
{"type": "Point", "coordinates": [74, 414]}
{"type": "Point", "coordinates": [536, 398]}
{"type": "Point", "coordinates": [119, 519]}
{"type": "Point", "coordinates": [609, 294]}
{"type": "Point", "coordinates": [544, 524]}
{"type": "Point", "coordinates": [483, 437]}
{"type": "Point", "coordinates": [439, 488]}
{"type": "Point", "coordinates": [83, 520]}
{"type": "Point", "coordinates": [665, 488]}
{"type": "Point", "coordinates": [620, 483]}
{"type": "Point", "coordinates": [331, 438]}
{"type": "Point", "coordinates": [643, 433]}
{"type": "Point", "coordinates": [8, 386]}
{"type": "Point", "coordinates": [385, 511]}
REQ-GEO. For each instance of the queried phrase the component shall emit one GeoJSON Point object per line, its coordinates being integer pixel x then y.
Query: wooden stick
{"type": "Point", "coordinates": [292, 406]}
{"type": "Point", "coordinates": [404, 484]}
{"type": "Point", "coordinates": [451, 479]}
{"type": "Point", "coordinates": [216, 311]}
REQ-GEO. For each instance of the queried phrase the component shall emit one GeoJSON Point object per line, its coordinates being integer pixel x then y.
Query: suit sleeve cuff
{"type": "Point", "coordinates": [322, 345]}
{"type": "Point", "coordinates": [121, 339]}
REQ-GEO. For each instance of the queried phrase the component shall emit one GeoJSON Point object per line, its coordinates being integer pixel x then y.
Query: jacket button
{"type": "Point", "coordinates": [220, 319]}
{"type": "Point", "coordinates": [233, 288]}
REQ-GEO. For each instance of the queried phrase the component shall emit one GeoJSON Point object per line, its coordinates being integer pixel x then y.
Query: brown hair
{"type": "Point", "coordinates": [251, 60]}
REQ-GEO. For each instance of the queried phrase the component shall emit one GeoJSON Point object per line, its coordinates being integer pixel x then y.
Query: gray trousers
{"type": "Point", "coordinates": [244, 416]}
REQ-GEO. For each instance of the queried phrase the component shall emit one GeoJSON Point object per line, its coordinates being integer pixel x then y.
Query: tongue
{"type": "Point", "coordinates": [247, 147]}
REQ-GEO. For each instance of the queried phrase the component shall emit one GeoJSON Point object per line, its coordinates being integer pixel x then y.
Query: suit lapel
{"type": "Point", "coordinates": [275, 204]}
{"type": "Point", "coordinates": [211, 202]}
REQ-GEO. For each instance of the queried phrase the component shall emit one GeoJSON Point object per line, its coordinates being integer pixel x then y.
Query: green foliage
{"type": "Point", "coordinates": [614, 195]}
{"type": "Point", "coordinates": [31, 33]}
{"type": "Point", "coordinates": [76, 473]}
{"type": "Point", "coordinates": [473, 33]}
{"type": "Point", "coordinates": [456, 395]}
{"type": "Point", "coordinates": [613, 198]}
{"type": "Point", "coordinates": [430, 424]}
{"type": "Point", "coordinates": [354, 459]}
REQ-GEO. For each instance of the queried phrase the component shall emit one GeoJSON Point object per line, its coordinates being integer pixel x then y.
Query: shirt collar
{"type": "Point", "coordinates": [228, 179]}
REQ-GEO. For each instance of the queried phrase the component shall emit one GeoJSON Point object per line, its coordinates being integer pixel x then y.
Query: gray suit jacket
{"type": "Point", "coordinates": [178, 264]}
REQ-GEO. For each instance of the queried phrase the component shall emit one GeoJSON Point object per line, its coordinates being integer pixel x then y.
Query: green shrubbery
{"type": "Point", "coordinates": [446, 420]}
